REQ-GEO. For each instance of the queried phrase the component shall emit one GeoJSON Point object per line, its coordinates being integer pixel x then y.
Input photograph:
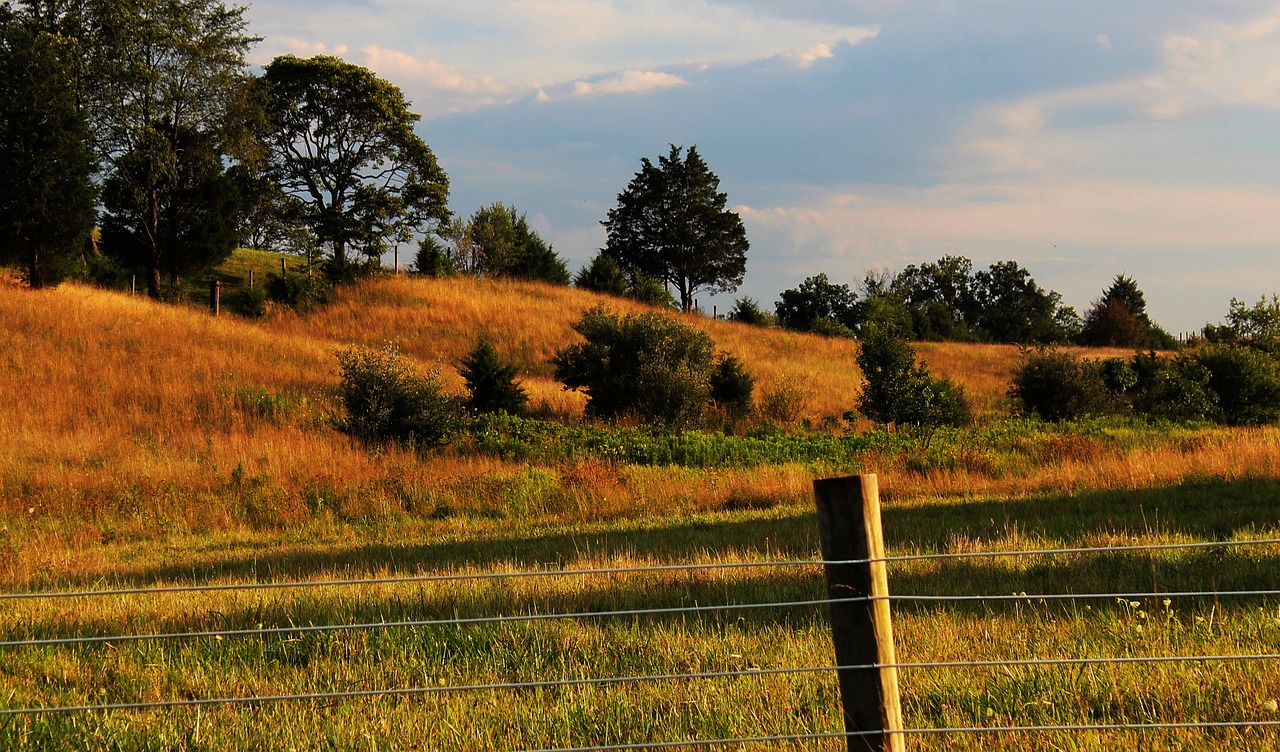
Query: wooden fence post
{"type": "Point", "coordinates": [849, 518]}
{"type": "Point", "coordinates": [215, 296]}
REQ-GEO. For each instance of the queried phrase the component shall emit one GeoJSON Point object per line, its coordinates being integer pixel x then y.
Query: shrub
{"type": "Point", "coordinates": [902, 392]}
{"type": "Point", "coordinates": [299, 291]}
{"type": "Point", "coordinates": [784, 403]}
{"type": "Point", "coordinates": [1245, 382]}
{"type": "Point", "coordinates": [732, 387]}
{"type": "Point", "coordinates": [386, 400]}
{"type": "Point", "coordinates": [433, 259]}
{"type": "Point", "coordinates": [491, 381]}
{"type": "Point", "coordinates": [748, 311]}
{"type": "Point", "coordinates": [250, 302]}
{"type": "Point", "coordinates": [1057, 386]}
{"type": "Point", "coordinates": [647, 364]}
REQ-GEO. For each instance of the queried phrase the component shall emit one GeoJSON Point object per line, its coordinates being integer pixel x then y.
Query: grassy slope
{"type": "Point", "coordinates": [148, 444]}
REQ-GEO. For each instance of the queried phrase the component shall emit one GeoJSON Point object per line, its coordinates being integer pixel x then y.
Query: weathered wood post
{"type": "Point", "coordinates": [284, 270]}
{"type": "Point", "coordinates": [849, 518]}
{"type": "Point", "coordinates": [215, 296]}
{"type": "Point", "coordinates": [250, 279]}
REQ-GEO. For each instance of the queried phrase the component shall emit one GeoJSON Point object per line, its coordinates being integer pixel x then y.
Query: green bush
{"type": "Point", "coordinates": [902, 392]}
{"type": "Point", "coordinates": [299, 291]}
{"type": "Point", "coordinates": [387, 401]}
{"type": "Point", "coordinates": [732, 387]}
{"type": "Point", "coordinates": [1057, 386]}
{"type": "Point", "coordinates": [748, 311]}
{"type": "Point", "coordinates": [1245, 382]}
{"type": "Point", "coordinates": [491, 381]}
{"type": "Point", "coordinates": [648, 365]}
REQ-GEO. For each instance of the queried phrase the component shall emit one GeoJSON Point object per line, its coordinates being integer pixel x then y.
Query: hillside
{"type": "Point", "coordinates": [129, 419]}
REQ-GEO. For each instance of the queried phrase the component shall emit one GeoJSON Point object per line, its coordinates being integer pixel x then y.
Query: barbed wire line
{"type": "Point", "coordinates": [547, 573]}
{"type": "Point", "coordinates": [1082, 661]}
{"type": "Point", "coordinates": [430, 578]}
{"type": "Point", "coordinates": [701, 742]}
{"type": "Point", "coordinates": [416, 691]}
{"type": "Point", "coordinates": [1173, 726]}
{"type": "Point", "coordinates": [304, 629]}
{"type": "Point", "coordinates": [1065, 551]}
{"type": "Point", "coordinates": [1132, 597]}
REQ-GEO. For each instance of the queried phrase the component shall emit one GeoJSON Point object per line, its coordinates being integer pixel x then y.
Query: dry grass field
{"type": "Point", "coordinates": [144, 445]}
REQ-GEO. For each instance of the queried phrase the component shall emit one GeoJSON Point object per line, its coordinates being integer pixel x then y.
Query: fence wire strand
{"type": "Point", "coordinates": [665, 568]}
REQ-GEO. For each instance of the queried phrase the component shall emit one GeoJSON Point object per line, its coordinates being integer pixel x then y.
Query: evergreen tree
{"type": "Point", "coordinates": [508, 247]}
{"type": "Point", "coordinates": [671, 224]}
{"type": "Point", "coordinates": [46, 197]}
{"type": "Point", "coordinates": [491, 381]}
{"type": "Point", "coordinates": [1118, 318]}
{"type": "Point", "coordinates": [602, 275]}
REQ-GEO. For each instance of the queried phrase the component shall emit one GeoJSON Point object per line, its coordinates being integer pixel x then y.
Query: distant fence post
{"type": "Point", "coordinates": [215, 296]}
{"type": "Point", "coordinates": [849, 518]}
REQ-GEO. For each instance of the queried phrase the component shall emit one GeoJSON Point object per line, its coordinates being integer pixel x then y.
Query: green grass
{"type": "Point", "coordinates": [662, 644]}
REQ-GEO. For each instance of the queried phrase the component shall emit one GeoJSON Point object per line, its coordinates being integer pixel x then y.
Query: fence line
{"type": "Point", "coordinates": [472, 621]}
{"type": "Point", "coordinates": [881, 664]}
{"type": "Point", "coordinates": [654, 569]}
{"type": "Point", "coordinates": [663, 568]}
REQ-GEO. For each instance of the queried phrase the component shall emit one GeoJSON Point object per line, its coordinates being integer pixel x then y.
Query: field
{"type": "Point", "coordinates": [146, 446]}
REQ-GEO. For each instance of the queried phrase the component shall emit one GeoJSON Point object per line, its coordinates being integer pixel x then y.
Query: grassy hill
{"type": "Point", "coordinates": [145, 444]}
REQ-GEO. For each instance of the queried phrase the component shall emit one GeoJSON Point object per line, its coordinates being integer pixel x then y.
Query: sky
{"type": "Point", "coordinates": [1082, 139]}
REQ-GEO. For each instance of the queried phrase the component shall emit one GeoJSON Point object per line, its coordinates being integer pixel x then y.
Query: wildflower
{"type": "Point", "coordinates": [1166, 602]}
{"type": "Point", "coordinates": [1270, 706]}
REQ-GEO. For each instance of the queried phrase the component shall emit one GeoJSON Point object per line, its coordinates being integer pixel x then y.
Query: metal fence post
{"type": "Point", "coordinates": [849, 518]}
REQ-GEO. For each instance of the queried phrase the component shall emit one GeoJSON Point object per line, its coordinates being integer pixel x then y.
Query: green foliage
{"type": "Point", "coordinates": [732, 387]}
{"type": "Point", "coordinates": [940, 299]}
{"type": "Point", "coordinates": [170, 206]}
{"type": "Point", "coordinates": [250, 302]}
{"type": "Point", "coordinates": [340, 140]}
{"type": "Point", "coordinates": [491, 381]}
{"type": "Point", "coordinates": [433, 258]}
{"type": "Point", "coordinates": [819, 306]}
{"type": "Point", "coordinates": [647, 364]}
{"type": "Point", "coordinates": [508, 247]}
{"type": "Point", "coordinates": [748, 311]}
{"type": "Point", "coordinates": [387, 401]}
{"type": "Point", "coordinates": [46, 196]}
{"type": "Point", "coordinates": [1012, 308]}
{"type": "Point", "coordinates": [301, 292]}
{"type": "Point", "coordinates": [899, 391]}
{"type": "Point", "coordinates": [1057, 386]}
{"type": "Point", "coordinates": [1257, 325]}
{"type": "Point", "coordinates": [1118, 318]}
{"type": "Point", "coordinates": [602, 274]}
{"type": "Point", "coordinates": [1245, 381]}
{"type": "Point", "coordinates": [671, 225]}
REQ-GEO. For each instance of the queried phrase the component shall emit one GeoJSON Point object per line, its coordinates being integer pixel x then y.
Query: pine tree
{"type": "Point", "coordinates": [671, 224]}
{"type": "Point", "coordinates": [1118, 318]}
{"type": "Point", "coordinates": [491, 381]}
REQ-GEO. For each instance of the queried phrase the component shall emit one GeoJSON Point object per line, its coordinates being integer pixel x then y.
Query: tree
{"type": "Point", "coordinates": [46, 197]}
{"type": "Point", "coordinates": [1012, 308]}
{"type": "Point", "coordinates": [602, 275]}
{"type": "Point", "coordinates": [1118, 318]}
{"type": "Point", "coordinates": [645, 364]}
{"type": "Point", "coordinates": [186, 219]}
{"type": "Point", "coordinates": [341, 140]}
{"type": "Point", "coordinates": [491, 381]}
{"type": "Point", "coordinates": [939, 297]}
{"type": "Point", "coordinates": [164, 76]}
{"type": "Point", "coordinates": [900, 392]}
{"type": "Point", "coordinates": [671, 224]}
{"type": "Point", "coordinates": [508, 247]}
{"type": "Point", "coordinates": [819, 305]}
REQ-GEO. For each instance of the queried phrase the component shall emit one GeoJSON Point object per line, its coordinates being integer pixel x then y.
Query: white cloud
{"type": "Point", "coordinates": [630, 82]}
{"type": "Point", "coordinates": [500, 50]}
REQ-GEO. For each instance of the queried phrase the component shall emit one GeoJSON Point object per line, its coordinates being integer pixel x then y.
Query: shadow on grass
{"type": "Point", "coordinates": [1200, 511]}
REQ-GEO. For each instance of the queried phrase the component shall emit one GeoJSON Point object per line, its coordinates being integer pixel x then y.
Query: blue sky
{"type": "Point", "coordinates": [1083, 139]}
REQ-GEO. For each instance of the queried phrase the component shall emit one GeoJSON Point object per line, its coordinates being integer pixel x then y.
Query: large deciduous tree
{"type": "Point", "coordinates": [165, 76]}
{"type": "Point", "coordinates": [341, 140]}
{"type": "Point", "coordinates": [671, 224]}
{"type": "Point", "coordinates": [46, 197]}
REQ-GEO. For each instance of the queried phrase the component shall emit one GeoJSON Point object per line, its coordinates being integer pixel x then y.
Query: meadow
{"type": "Point", "coordinates": [144, 445]}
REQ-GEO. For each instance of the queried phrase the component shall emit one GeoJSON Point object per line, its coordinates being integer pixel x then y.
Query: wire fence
{"type": "Point", "coordinates": [788, 606]}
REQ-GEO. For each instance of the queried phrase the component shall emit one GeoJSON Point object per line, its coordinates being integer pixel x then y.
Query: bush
{"type": "Point", "coordinates": [491, 381]}
{"type": "Point", "coordinates": [250, 302]}
{"type": "Point", "coordinates": [386, 400]}
{"type": "Point", "coordinates": [748, 311]}
{"type": "Point", "coordinates": [433, 259]}
{"type": "Point", "coordinates": [646, 364]}
{"type": "Point", "coordinates": [902, 392]}
{"type": "Point", "coordinates": [299, 291]}
{"type": "Point", "coordinates": [1245, 382]}
{"type": "Point", "coordinates": [1057, 386]}
{"type": "Point", "coordinates": [732, 387]}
